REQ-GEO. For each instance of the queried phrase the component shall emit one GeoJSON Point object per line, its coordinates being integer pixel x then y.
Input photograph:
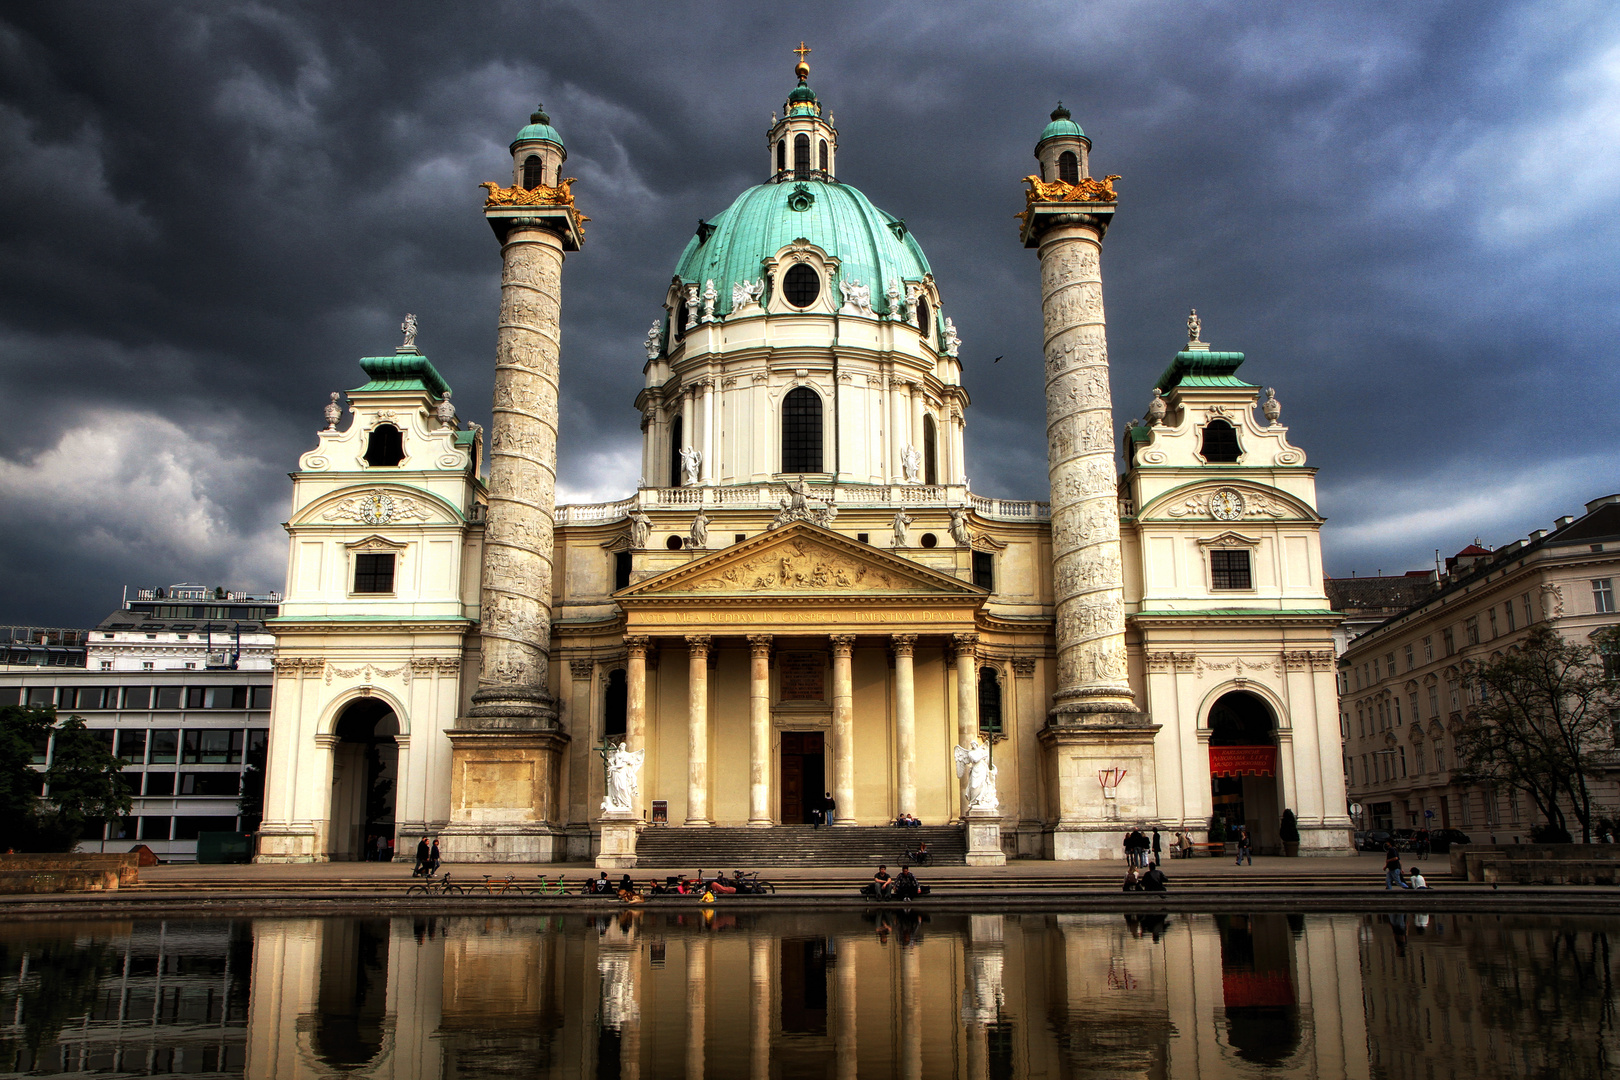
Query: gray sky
{"type": "Point", "coordinates": [1403, 213]}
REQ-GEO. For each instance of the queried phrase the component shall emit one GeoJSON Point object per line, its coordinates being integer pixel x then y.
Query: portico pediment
{"type": "Point", "coordinates": [801, 561]}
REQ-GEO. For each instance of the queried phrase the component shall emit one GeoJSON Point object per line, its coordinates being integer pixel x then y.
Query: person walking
{"type": "Point", "coordinates": [829, 809]}
{"type": "Point", "coordinates": [1392, 866]}
{"type": "Point", "coordinates": [433, 857]}
{"type": "Point", "coordinates": [1156, 852]}
{"type": "Point", "coordinates": [422, 856]}
{"type": "Point", "coordinates": [1245, 850]}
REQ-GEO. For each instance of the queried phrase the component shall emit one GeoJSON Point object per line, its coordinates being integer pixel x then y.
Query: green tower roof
{"type": "Point", "coordinates": [402, 371]}
{"type": "Point", "coordinates": [1061, 125]}
{"type": "Point", "coordinates": [872, 246]}
{"type": "Point", "coordinates": [539, 129]}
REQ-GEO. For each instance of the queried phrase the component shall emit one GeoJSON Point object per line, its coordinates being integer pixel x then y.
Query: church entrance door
{"type": "Point", "coordinates": [1243, 768]}
{"type": "Point", "coordinates": [804, 772]}
{"type": "Point", "coordinates": [365, 767]}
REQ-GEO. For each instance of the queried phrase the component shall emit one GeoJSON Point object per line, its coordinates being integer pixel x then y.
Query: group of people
{"type": "Point", "coordinates": [903, 886]}
{"type": "Point", "coordinates": [1138, 846]}
{"type": "Point", "coordinates": [427, 858]}
{"type": "Point", "coordinates": [907, 821]}
{"type": "Point", "coordinates": [1152, 879]}
{"type": "Point", "coordinates": [1392, 871]}
{"type": "Point", "coordinates": [824, 812]}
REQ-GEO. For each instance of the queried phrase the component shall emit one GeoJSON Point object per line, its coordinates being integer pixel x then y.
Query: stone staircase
{"type": "Point", "coordinates": [794, 845]}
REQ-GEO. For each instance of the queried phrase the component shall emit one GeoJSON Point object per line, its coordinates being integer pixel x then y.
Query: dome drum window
{"type": "Point", "coordinates": [801, 431]}
{"type": "Point", "coordinates": [1220, 443]}
{"type": "Point", "coordinates": [534, 172]}
{"type": "Point", "coordinates": [801, 285]}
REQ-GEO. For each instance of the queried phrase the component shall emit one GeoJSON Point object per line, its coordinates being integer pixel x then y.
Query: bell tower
{"type": "Point", "coordinates": [803, 146]}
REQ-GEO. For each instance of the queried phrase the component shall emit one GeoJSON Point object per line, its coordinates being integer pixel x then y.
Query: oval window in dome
{"type": "Point", "coordinates": [801, 285]}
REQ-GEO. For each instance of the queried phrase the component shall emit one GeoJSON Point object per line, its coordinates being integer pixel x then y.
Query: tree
{"type": "Point", "coordinates": [1543, 714]}
{"type": "Point", "coordinates": [23, 734]}
{"type": "Point", "coordinates": [85, 788]}
{"type": "Point", "coordinates": [250, 804]}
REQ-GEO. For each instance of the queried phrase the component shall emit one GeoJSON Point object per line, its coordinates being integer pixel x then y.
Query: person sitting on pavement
{"type": "Point", "coordinates": [1154, 880]}
{"type": "Point", "coordinates": [921, 855]}
{"type": "Point", "coordinates": [881, 883]}
{"type": "Point", "coordinates": [721, 887]}
{"type": "Point", "coordinates": [1133, 881]}
{"type": "Point", "coordinates": [905, 885]}
{"type": "Point", "coordinates": [1415, 880]}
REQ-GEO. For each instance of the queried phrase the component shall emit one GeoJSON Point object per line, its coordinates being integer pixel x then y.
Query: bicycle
{"type": "Point", "coordinates": [554, 888]}
{"type": "Point", "coordinates": [442, 887]}
{"type": "Point", "coordinates": [751, 883]}
{"type": "Point", "coordinates": [509, 885]}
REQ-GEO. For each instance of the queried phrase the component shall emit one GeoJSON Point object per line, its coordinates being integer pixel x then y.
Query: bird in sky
{"type": "Point", "coordinates": [997, 360]}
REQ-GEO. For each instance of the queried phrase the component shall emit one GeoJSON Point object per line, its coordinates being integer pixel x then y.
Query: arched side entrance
{"type": "Point", "coordinates": [365, 780]}
{"type": "Point", "coordinates": [1243, 767]}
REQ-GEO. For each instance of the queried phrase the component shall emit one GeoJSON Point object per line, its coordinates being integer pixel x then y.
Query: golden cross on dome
{"type": "Point", "coordinates": [803, 50]}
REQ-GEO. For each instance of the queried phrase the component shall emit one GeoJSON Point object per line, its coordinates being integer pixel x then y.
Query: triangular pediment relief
{"type": "Point", "coordinates": [801, 560]}
{"type": "Point", "coordinates": [1227, 499]}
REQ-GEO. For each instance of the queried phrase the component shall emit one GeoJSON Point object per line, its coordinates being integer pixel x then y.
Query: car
{"type": "Point", "coordinates": [1374, 839]}
{"type": "Point", "coordinates": [1440, 840]}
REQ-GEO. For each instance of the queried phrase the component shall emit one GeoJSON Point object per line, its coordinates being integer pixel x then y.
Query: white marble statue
{"type": "Point", "coordinates": [897, 309]}
{"type": "Point", "coordinates": [710, 295]}
{"type": "Point", "coordinates": [445, 413]}
{"type": "Point", "coordinates": [952, 341]}
{"type": "Point", "coordinates": [900, 523]}
{"type": "Point", "coordinates": [913, 294]}
{"type": "Point", "coordinates": [857, 298]}
{"type": "Point", "coordinates": [691, 305]}
{"type": "Point", "coordinates": [698, 537]}
{"type": "Point", "coordinates": [959, 529]}
{"type": "Point", "coordinates": [334, 412]}
{"type": "Point", "coordinates": [979, 787]}
{"type": "Point", "coordinates": [408, 328]}
{"type": "Point", "coordinates": [911, 462]}
{"type": "Point", "coordinates": [655, 339]}
{"type": "Point", "coordinates": [622, 767]}
{"type": "Point", "coordinates": [1271, 407]}
{"type": "Point", "coordinates": [1156, 408]}
{"type": "Point", "coordinates": [640, 529]}
{"type": "Point", "coordinates": [691, 465]}
{"type": "Point", "coordinates": [1195, 326]}
{"type": "Point", "coordinates": [745, 293]}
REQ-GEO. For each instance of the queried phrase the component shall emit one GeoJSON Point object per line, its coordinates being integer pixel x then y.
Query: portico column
{"type": "Point", "coordinates": [843, 729]}
{"type": "Point", "coordinates": [688, 434]}
{"type": "Point", "coordinates": [635, 701]}
{"type": "Point", "coordinates": [918, 407]}
{"type": "Point", "coordinates": [905, 710]}
{"type": "Point", "coordinates": [967, 688]}
{"type": "Point", "coordinates": [759, 729]}
{"type": "Point", "coordinates": [697, 730]}
{"type": "Point", "coordinates": [897, 429]}
{"type": "Point", "coordinates": [708, 431]}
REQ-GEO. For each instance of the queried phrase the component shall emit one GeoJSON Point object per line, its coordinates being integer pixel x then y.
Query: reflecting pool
{"type": "Point", "coordinates": [890, 994]}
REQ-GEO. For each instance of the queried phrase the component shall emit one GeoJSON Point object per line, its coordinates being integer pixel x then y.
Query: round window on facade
{"type": "Point", "coordinates": [673, 543]}
{"type": "Point", "coordinates": [929, 540]}
{"type": "Point", "coordinates": [801, 285]}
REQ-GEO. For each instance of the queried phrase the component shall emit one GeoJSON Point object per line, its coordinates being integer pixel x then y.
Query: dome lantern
{"type": "Point", "coordinates": [802, 145]}
{"type": "Point", "coordinates": [1063, 149]}
{"type": "Point", "coordinates": [537, 153]}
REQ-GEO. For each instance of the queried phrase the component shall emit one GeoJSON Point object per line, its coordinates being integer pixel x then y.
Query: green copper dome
{"type": "Point", "coordinates": [873, 247]}
{"type": "Point", "coordinates": [1061, 125]}
{"type": "Point", "coordinates": [539, 128]}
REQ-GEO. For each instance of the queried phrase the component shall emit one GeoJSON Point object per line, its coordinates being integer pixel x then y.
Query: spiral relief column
{"type": "Point", "coordinates": [1094, 722]}
{"type": "Point", "coordinates": [505, 751]}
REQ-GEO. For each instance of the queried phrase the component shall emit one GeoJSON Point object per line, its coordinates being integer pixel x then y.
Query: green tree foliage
{"type": "Point", "coordinates": [85, 789]}
{"type": "Point", "coordinates": [250, 805]}
{"type": "Point", "coordinates": [1543, 719]}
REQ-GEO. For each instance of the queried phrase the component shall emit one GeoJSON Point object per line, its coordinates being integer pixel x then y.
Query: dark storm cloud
{"type": "Point", "coordinates": [1402, 213]}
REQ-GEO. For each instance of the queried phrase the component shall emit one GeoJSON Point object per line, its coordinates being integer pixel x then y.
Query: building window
{"type": "Point", "coordinates": [1428, 650]}
{"type": "Point", "coordinates": [1068, 167]}
{"type": "Point", "coordinates": [534, 172]}
{"type": "Point", "coordinates": [146, 665]}
{"type": "Point", "coordinates": [1439, 756]}
{"type": "Point", "coordinates": [801, 157]}
{"type": "Point", "coordinates": [1220, 443]}
{"type": "Point", "coordinates": [930, 452]}
{"type": "Point", "coordinates": [1603, 595]}
{"type": "Point", "coordinates": [1412, 703]}
{"type": "Point", "coordinates": [1417, 755]}
{"type": "Point", "coordinates": [385, 447]}
{"type": "Point", "coordinates": [923, 316]}
{"type": "Point", "coordinates": [675, 437]}
{"type": "Point", "coordinates": [1410, 664]}
{"type": "Point", "coordinates": [1434, 701]}
{"type": "Point", "coordinates": [1397, 704]}
{"type": "Point", "coordinates": [621, 570]}
{"type": "Point", "coordinates": [989, 701]}
{"type": "Point", "coordinates": [681, 314]}
{"type": "Point", "coordinates": [615, 704]}
{"type": "Point", "coordinates": [1529, 615]}
{"type": "Point", "coordinates": [1493, 622]}
{"type": "Point", "coordinates": [801, 431]}
{"type": "Point", "coordinates": [1471, 629]}
{"type": "Point", "coordinates": [1229, 570]}
{"type": "Point", "coordinates": [1389, 665]}
{"type": "Point", "coordinates": [1403, 762]}
{"type": "Point", "coordinates": [1507, 609]}
{"type": "Point", "coordinates": [801, 285]}
{"type": "Point", "coordinates": [984, 570]}
{"type": "Point", "coordinates": [106, 665]}
{"type": "Point", "coordinates": [824, 157]}
{"type": "Point", "coordinates": [781, 155]}
{"type": "Point", "coordinates": [1449, 642]}
{"type": "Point", "coordinates": [374, 573]}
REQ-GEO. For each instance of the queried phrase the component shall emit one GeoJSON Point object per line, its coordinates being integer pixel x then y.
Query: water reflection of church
{"type": "Point", "coordinates": [716, 995]}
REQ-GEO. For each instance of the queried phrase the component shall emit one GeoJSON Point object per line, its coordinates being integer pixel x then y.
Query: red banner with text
{"type": "Point", "coordinates": [1237, 760]}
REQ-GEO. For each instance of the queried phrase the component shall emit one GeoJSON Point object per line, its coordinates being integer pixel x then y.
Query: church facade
{"type": "Point", "coordinates": [802, 606]}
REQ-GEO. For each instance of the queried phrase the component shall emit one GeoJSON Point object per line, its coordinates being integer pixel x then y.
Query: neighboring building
{"type": "Point", "coordinates": [803, 596]}
{"type": "Point", "coordinates": [1403, 692]}
{"type": "Point", "coordinates": [41, 646]}
{"type": "Point", "coordinates": [187, 734]}
{"type": "Point", "coordinates": [1365, 602]}
{"type": "Point", "coordinates": [186, 628]}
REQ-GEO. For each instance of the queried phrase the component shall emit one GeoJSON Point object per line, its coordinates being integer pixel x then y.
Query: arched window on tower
{"type": "Point", "coordinates": [823, 157]}
{"type": "Point", "coordinates": [615, 704]}
{"type": "Point", "coordinates": [385, 447]}
{"type": "Point", "coordinates": [801, 157]}
{"type": "Point", "coordinates": [1220, 442]}
{"type": "Point", "coordinates": [675, 452]}
{"type": "Point", "coordinates": [924, 324]}
{"type": "Point", "coordinates": [801, 431]}
{"type": "Point", "coordinates": [534, 172]}
{"type": "Point", "coordinates": [930, 451]}
{"type": "Point", "coordinates": [1068, 167]}
{"type": "Point", "coordinates": [781, 155]}
{"type": "Point", "coordinates": [989, 701]}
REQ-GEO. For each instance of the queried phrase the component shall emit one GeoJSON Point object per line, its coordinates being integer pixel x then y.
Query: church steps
{"type": "Point", "coordinates": [795, 845]}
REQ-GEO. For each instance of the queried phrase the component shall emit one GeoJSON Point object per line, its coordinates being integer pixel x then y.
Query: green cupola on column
{"type": "Point", "coordinates": [1063, 149]}
{"type": "Point", "coordinates": [538, 153]}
